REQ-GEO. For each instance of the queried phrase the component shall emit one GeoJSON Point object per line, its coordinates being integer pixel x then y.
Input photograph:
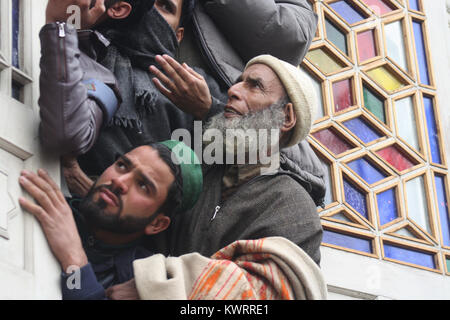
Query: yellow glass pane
{"type": "Point", "coordinates": [386, 79]}
{"type": "Point", "coordinates": [323, 61]}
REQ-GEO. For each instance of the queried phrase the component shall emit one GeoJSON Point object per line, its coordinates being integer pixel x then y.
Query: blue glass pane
{"type": "Point", "coordinates": [347, 12]}
{"type": "Point", "coordinates": [346, 241]}
{"type": "Point", "coordinates": [15, 33]}
{"type": "Point", "coordinates": [366, 171]}
{"type": "Point", "coordinates": [414, 5]}
{"type": "Point", "coordinates": [410, 256]}
{"type": "Point", "coordinates": [443, 209]}
{"type": "Point", "coordinates": [362, 130]}
{"type": "Point", "coordinates": [421, 54]}
{"type": "Point", "coordinates": [356, 199]}
{"type": "Point", "coordinates": [387, 206]}
{"type": "Point", "coordinates": [432, 130]}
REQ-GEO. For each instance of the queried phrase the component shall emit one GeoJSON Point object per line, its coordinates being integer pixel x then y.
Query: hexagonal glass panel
{"type": "Point", "coordinates": [336, 36]}
{"type": "Point", "coordinates": [386, 78]}
{"type": "Point", "coordinates": [347, 11]}
{"type": "Point", "coordinates": [362, 129]}
{"type": "Point", "coordinates": [396, 157]}
{"type": "Point", "coordinates": [380, 7]}
{"type": "Point", "coordinates": [334, 141]}
{"type": "Point", "coordinates": [395, 43]}
{"type": "Point", "coordinates": [417, 203]}
{"type": "Point", "coordinates": [366, 45]}
{"type": "Point", "coordinates": [366, 170]}
{"type": "Point", "coordinates": [406, 121]}
{"type": "Point", "coordinates": [324, 61]}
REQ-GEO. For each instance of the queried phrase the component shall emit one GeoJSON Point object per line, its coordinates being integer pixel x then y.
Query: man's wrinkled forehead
{"type": "Point", "coordinates": [262, 74]}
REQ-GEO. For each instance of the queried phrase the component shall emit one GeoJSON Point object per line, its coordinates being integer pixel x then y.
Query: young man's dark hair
{"type": "Point", "coordinates": [140, 7]}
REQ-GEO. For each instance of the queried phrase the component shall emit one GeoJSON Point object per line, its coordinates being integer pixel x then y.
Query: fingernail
{"type": "Point", "coordinates": [42, 171]}
{"type": "Point", "coordinates": [23, 179]}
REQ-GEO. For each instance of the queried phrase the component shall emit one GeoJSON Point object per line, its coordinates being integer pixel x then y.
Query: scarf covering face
{"type": "Point", "coordinates": [132, 51]}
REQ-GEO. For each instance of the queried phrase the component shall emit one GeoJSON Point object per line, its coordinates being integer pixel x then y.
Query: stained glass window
{"type": "Point", "coordinates": [396, 44]}
{"type": "Point", "coordinates": [380, 7]}
{"type": "Point", "coordinates": [366, 45]}
{"type": "Point", "coordinates": [421, 53]}
{"type": "Point", "coordinates": [362, 129]}
{"type": "Point", "coordinates": [333, 141]}
{"type": "Point", "coordinates": [318, 89]}
{"type": "Point", "coordinates": [409, 256]}
{"type": "Point", "coordinates": [351, 242]}
{"type": "Point", "coordinates": [367, 171]}
{"type": "Point", "coordinates": [386, 79]}
{"type": "Point", "coordinates": [414, 5]}
{"type": "Point", "coordinates": [324, 61]}
{"type": "Point", "coordinates": [417, 203]}
{"type": "Point", "coordinates": [433, 137]}
{"type": "Point", "coordinates": [347, 11]}
{"type": "Point", "coordinates": [396, 158]}
{"type": "Point", "coordinates": [406, 121]}
{"type": "Point", "coordinates": [387, 206]}
{"type": "Point", "coordinates": [336, 36]}
{"type": "Point", "coordinates": [383, 136]}
{"type": "Point", "coordinates": [355, 198]}
{"type": "Point", "coordinates": [374, 104]}
{"type": "Point", "coordinates": [443, 208]}
{"type": "Point", "coordinates": [343, 94]}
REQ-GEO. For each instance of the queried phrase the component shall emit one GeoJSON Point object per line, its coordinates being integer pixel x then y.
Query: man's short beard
{"type": "Point", "coordinates": [96, 217]}
{"type": "Point", "coordinates": [272, 117]}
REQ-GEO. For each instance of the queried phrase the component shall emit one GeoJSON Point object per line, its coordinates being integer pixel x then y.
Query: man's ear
{"type": "Point", "coordinates": [180, 34]}
{"type": "Point", "coordinates": [159, 224]}
{"type": "Point", "coordinates": [290, 119]}
{"type": "Point", "coordinates": [119, 10]}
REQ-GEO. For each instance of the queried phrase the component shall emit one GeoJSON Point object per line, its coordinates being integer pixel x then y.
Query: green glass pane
{"type": "Point", "coordinates": [448, 264]}
{"type": "Point", "coordinates": [323, 61]}
{"type": "Point", "coordinates": [336, 36]}
{"type": "Point", "coordinates": [374, 104]}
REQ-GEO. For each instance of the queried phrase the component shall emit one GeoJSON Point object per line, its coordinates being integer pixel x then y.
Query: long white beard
{"type": "Point", "coordinates": [261, 122]}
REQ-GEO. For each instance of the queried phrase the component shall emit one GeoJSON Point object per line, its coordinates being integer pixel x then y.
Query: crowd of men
{"type": "Point", "coordinates": [143, 217]}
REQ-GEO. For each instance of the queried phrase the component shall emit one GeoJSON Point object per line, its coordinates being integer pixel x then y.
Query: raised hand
{"type": "Point", "coordinates": [55, 217]}
{"type": "Point", "coordinates": [183, 86]}
{"type": "Point", "coordinates": [57, 11]}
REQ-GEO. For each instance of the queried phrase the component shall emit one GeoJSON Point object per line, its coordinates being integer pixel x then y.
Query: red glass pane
{"type": "Point", "coordinates": [343, 95]}
{"type": "Point", "coordinates": [366, 45]}
{"type": "Point", "coordinates": [380, 7]}
{"type": "Point", "coordinates": [330, 139]}
{"type": "Point", "coordinates": [393, 155]}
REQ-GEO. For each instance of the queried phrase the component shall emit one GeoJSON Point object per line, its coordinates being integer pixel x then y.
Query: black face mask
{"type": "Point", "coordinates": [95, 216]}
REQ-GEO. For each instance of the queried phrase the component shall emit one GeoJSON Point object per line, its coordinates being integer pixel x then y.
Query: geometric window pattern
{"type": "Point", "coordinates": [390, 176]}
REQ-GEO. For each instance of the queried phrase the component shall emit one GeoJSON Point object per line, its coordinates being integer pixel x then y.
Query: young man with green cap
{"type": "Point", "coordinates": [97, 238]}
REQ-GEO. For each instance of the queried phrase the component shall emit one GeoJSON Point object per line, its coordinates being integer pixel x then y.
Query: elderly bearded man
{"type": "Point", "coordinates": [273, 213]}
{"type": "Point", "coordinates": [105, 231]}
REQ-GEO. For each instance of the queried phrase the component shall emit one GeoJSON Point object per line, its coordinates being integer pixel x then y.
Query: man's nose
{"type": "Point", "coordinates": [121, 184]}
{"type": "Point", "coordinates": [234, 92]}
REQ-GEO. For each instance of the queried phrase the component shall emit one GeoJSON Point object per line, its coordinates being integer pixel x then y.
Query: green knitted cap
{"type": "Point", "coordinates": [191, 172]}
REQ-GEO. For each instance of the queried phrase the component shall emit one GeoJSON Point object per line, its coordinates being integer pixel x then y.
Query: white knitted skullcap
{"type": "Point", "coordinates": [300, 91]}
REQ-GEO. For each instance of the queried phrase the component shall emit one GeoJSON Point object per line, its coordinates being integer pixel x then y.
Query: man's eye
{"type": "Point", "coordinates": [121, 165]}
{"type": "Point", "coordinates": [165, 6]}
{"type": "Point", "coordinates": [142, 185]}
